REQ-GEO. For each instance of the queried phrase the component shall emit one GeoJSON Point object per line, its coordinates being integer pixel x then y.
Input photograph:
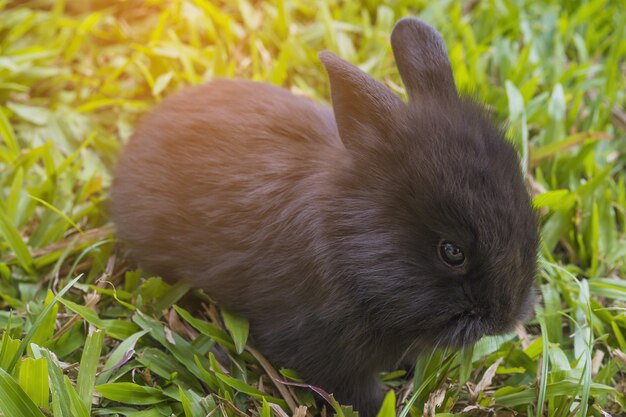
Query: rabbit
{"type": "Point", "coordinates": [351, 238]}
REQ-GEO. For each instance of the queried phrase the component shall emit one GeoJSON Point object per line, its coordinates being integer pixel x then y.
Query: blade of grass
{"type": "Point", "coordinates": [40, 319]}
{"type": "Point", "coordinates": [34, 380]}
{"type": "Point", "coordinates": [89, 366]}
{"type": "Point", "coordinates": [57, 211]}
{"type": "Point", "coordinates": [65, 400]}
{"type": "Point", "coordinates": [130, 393]}
{"type": "Point", "coordinates": [17, 245]}
{"type": "Point", "coordinates": [238, 328]}
{"type": "Point", "coordinates": [388, 409]}
{"type": "Point", "coordinates": [122, 353]}
{"type": "Point", "coordinates": [8, 135]}
{"type": "Point", "coordinates": [14, 402]}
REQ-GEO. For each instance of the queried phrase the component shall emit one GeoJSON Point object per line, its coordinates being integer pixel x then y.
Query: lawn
{"type": "Point", "coordinates": [84, 333]}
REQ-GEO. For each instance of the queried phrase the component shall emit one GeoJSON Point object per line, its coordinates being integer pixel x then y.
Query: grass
{"type": "Point", "coordinates": [85, 335]}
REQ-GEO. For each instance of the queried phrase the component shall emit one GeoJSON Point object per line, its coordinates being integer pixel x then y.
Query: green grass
{"type": "Point", "coordinates": [83, 335]}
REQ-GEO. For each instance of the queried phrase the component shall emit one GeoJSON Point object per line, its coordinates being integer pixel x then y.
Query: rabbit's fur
{"type": "Point", "coordinates": [324, 227]}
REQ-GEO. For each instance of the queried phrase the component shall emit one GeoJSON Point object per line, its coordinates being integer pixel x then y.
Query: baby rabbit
{"type": "Point", "coordinates": [350, 238]}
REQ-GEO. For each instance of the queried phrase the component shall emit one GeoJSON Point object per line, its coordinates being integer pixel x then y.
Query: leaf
{"type": "Point", "coordinates": [14, 197]}
{"type": "Point", "coordinates": [428, 373]}
{"type": "Point", "coordinates": [207, 329]}
{"type": "Point", "coordinates": [514, 396]}
{"type": "Point", "coordinates": [319, 391]}
{"type": "Point", "coordinates": [88, 366]}
{"type": "Point", "coordinates": [238, 328]}
{"type": "Point", "coordinates": [517, 114]}
{"type": "Point", "coordinates": [130, 393]}
{"type": "Point", "coordinates": [44, 331]}
{"type": "Point", "coordinates": [554, 148]}
{"type": "Point", "coordinates": [594, 239]}
{"type": "Point", "coordinates": [556, 107]}
{"type": "Point", "coordinates": [552, 313]}
{"type": "Point", "coordinates": [247, 389]}
{"type": "Point", "coordinates": [555, 200]}
{"type": "Point", "coordinates": [182, 350]}
{"type": "Point", "coordinates": [17, 245]}
{"type": "Point", "coordinates": [553, 228]}
{"type": "Point", "coordinates": [162, 82]}
{"type": "Point", "coordinates": [33, 114]}
{"type": "Point", "coordinates": [465, 367]}
{"type": "Point", "coordinates": [14, 402]}
{"type": "Point", "coordinates": [9, 349]}
{"type": "Point", "coordinates": [194, 405]}
{"type": "Point", "coordinates": [164, 366]}
{"type": "Point", "coordinates": [608, 287]}
{"type": "Point", "coordinates": [115, 328]}
{"type": "Point", "coordinates": [65, 400]}
{"type": "Point", "coordinates": [57, 211]}
{"type": "Point", "coordinates": [583, 344]}
{"type": "Point", "coordinates": [26, 340]}
{"type": "Point", "coordinates": [487, 378]}
{"type": "Point", "coordinates": [388, 409]}
{"type": "Point", "coordinates": [34, 380]}
{"type": "Point", "coordinates": [120, 355]}
{"type": "Point", "coordinates": [265, 410]}
{"type": "Point", "coordinates": [543, 378]}
{"type": "Point", "coordinates": [8, 137]}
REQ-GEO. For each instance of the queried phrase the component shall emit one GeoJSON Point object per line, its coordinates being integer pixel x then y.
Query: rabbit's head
{"type": "Point", "coordinates": [435, 228]}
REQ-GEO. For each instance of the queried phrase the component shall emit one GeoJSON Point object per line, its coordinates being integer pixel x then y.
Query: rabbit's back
{"type": "Point", "coordinates": [222, 176]}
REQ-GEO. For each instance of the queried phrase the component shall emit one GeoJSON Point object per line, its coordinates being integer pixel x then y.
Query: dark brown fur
{"type": "Point", "coordinates": [322, 229]}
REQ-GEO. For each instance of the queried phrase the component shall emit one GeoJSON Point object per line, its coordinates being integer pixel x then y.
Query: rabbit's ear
{"type": "Point", "coordinates": [422, 60]}
{"type": "Point", "coordinates": [364, 108]}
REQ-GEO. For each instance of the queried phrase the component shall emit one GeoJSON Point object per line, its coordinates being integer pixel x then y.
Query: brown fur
{"type": "Point", "coordinates": [322, 227]}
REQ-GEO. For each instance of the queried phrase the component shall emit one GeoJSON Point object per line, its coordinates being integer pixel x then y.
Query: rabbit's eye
{"type": "Point", "coordinates": [451, 253]}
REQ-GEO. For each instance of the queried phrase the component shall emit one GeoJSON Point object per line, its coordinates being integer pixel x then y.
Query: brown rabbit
{"type": "Point", "coordinates": [348, 237]}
